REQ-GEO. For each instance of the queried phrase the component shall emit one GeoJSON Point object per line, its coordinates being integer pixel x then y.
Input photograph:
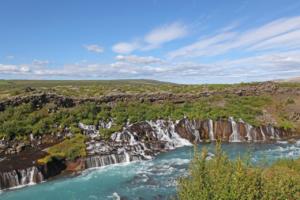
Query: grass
{"type": "Point", "coordinates": [96, 88]}
{"type": "Point", "coordinates": [69, 149]}
{"type": "Point", "coordinates": [222, 178]}
{"type": "Point", "coordinates": [20, 121]}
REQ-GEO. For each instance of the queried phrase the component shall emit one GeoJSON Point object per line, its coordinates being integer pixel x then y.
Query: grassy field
{"type": "Point", "coordinates": [279, 110]}
{"type": "Point", "coordinates": [9, 88]}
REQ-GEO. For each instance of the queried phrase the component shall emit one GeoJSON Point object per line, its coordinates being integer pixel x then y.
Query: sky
{"type": "Point", "coordinates": [188, 41]}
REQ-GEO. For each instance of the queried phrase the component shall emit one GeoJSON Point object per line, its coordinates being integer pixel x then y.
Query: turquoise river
{"type": "Point", "coordinates": [152, 179]}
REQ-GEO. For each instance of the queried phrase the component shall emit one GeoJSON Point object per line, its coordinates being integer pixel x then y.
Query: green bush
{"type": "Point", "coordinates": [222, 178]}
{"type": "Point", "coordinates": [69, 149]}
{"type": "Point", "coordinates": [286, 124]}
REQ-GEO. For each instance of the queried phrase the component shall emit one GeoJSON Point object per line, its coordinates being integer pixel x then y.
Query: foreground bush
{"type": "Point", "coordinates": [222, 178]}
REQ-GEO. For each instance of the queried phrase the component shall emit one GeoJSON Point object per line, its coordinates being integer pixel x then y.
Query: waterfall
{"type": "Point", "coordinates": [127, 157]}
{"type": "Point", "coordinates": [274, 134]}
{"type": "Point", "coordinates": [197, 136]}
{"type": "Point", "coordinates": [255, 135]}
{"type": "Point", "coordinates": [248, 129]}
{"type": "Point", "coordinates": [114, 158]}
{"type": "Point", "coordinates": [211, 130]}
{"type": "Point", "coordinates": [103, 160]}
{"type": "Point", "coordinates": [116, 137]}
{"type": "Point", "coordinates": [190, 125]}
{"type": "Point", "coordinates": [167, 133]}
{"type": "Point", "coordinates": [234, 137]}
{"type": "Point", "coordinates": [31, 182]}
{"type": "Point", "coordinates": [19, 178]}
{"type": "Point", "coordinates": [132, 141]}
{"type": "Point", "coordinates": [263, 134]}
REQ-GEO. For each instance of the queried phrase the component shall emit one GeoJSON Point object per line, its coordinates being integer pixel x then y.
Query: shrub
{"type": "Point", "coordinates": [69, 149]}
{"type": "Point", "coordinates": [222, 178]}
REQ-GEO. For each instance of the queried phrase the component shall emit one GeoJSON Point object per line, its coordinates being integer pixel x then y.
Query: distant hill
{"type": "Point", "coordinates": [293, 80]}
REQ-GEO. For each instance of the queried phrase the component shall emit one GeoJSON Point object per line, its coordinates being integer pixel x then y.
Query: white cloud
{"type": "Point", "coordinates": [14, 69]}
{"type": "Point", "coordinates": [138, 59]}
{"type": "Point", "coordinates": [267, 66]}
{"type": "Point", "coordinates": [282, 33]}
{"type": "Point", "coordinates": [206, 47]}
{"type": "Point", "coordinates": [94, 48]}
{"type": "Point", "coordinates": [125, 47]}
{"type": "Point", "coordinates": [288, 40]}
{"type": "Point", "coordinates": [165, 34]}
{"type": "Point", "coordinates": [154, 39]}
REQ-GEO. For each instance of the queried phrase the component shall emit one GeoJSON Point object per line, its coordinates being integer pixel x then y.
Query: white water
{"type": "Point", "coordinates": [211, 130]}
{"type": "Point", "coordinates": [31, 182]}
{"type": "Point", "coordinates": [168, 134]}
{"type": "Point", "coordinates": [127, 157]}
{"type": "Point", "coordinates": [248, 129]}
{"type": "Point", "coordinates": [235, 136]}
{"type": "Point", "coordinates": [116, 196]}
{"type": "Point", "coordinates": [263, 134]}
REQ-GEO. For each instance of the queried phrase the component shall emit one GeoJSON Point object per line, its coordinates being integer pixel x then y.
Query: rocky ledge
{"type": "Point", "coordinates": [138, 141]}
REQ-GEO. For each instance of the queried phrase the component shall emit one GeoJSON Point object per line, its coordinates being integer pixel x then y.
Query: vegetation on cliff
{"type": "Point", "coordinates": [26, 119]}
{"type": "Point", "coordinates": [40, 118]}
{"type": "Point", "coordinates": [222, 178]}
{"type": "Point", "coordinates": [69, 149]}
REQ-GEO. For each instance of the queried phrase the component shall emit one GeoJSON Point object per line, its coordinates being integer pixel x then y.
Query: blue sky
{"type": "Point", "coordinates": [179, 41]}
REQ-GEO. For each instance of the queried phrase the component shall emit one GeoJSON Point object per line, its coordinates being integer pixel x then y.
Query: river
{"type": "Point", "coordinates": [152, 179]}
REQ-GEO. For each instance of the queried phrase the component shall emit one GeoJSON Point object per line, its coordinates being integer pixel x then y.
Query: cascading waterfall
{"type": "Point", "coordinates": [129, 145]}
{"type": "Point", "coordinates": [19, 178]}
{"type": "Point", "coordinates": [248, 130]}
{"type": "Point", "coordinates": [104, 160]}
{"type": "Point", "coordinates": [255, 136]}
{"type": "Point", "coordinates": [192, 128]}
{"type": "Point", "coordinates": [211, 130]}
{"type": "Point", "coordinates": [32, 176]}
{"type": "Point", "coordinates": [234, 137]}
{"type": "Point", "coordinates": [165, 131]}
{"type": "Point", "coordinates": [263, 134]}
{"type": "Point", "coordinates": [274, 134]}
{"type": "Point", "coordinates": [127, 157]}
{"type": "Point", "coordinates": [100, 161]}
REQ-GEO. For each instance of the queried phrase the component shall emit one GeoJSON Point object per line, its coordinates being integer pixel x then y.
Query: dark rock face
{"type": "Point", "coordinates": [38, 101]}
{"type": "Point", "coordinates": [30, 175]}
{"type": "Point", "coordinates": [228, 131]}
{"type": "Point", "coordinates": [20, 177]}
{"type": "Point", "coordinates": [53, 168]}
